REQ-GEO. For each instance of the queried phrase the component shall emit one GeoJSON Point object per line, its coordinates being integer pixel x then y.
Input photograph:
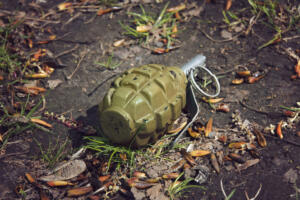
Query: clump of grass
{"type": "Point", "coordinates": [178, 188]}
{"type": "Point", "coordinates": [103, 147]}
{"type": "Point", "coordinates": [280, 18]}
{"type": "Point", "coordinates": [15, 111]}
{"type": "Point", "coordinates": [149, 28]}
{"type": "Point", "coordinates": [109, 64]}
{"type": "Point", "coordinates": [54, 153]}
{"type": "Point", "coordinates": [15, 123]}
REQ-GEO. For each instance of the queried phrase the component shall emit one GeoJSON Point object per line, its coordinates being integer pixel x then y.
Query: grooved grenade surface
{"type": "Point", "coordinates": [141, 104]}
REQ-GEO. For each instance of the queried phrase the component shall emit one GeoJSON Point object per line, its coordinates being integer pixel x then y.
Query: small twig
{"type": "Point", "coordinates": [228, 71]}
{"type": "Point", "coordinates": [30, 18]}
{"type": "Point", "coordinates": [78, 64]}
{"type": "Point", "coordinates": [284, 140]}
{"type": "Point", "coordinates": [90, 20]}
{"type": "Point", "coordinates": [257, 193]}
{"type": "Point", "coordinates": [12, 154]}
{"type": "Point", "coordinates": [226, 40]}
{"type": "Point", "coordinates": [71, 19]}
{"type": "Point", "coordinates": [270, 114]}
{"type": "Point", "coordinates": [290, 38]}
{"type": "Point", "coordinates": [67, 51]}
{"type": "Point", "coordinates": [252, 21]}
{"type": "Point", "coordinates": [291, 53]}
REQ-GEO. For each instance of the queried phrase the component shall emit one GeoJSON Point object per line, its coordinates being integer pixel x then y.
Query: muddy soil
{"type": "Point", "coordinates": [79, 95]}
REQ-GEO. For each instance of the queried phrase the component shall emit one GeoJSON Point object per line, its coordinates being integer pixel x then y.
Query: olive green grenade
{"type": "Point", "coordinates": [143, 102]}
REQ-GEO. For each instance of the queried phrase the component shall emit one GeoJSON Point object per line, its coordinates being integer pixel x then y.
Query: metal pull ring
{"type": "Point", "coordinates": [195, 85]}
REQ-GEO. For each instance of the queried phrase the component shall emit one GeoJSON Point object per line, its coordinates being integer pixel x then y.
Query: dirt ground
{"type": "Point", "coordinates": [79, 96]}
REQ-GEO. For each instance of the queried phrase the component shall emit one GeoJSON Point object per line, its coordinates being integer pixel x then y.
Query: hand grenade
{"type": "Point", "coordinates": [144, 101]}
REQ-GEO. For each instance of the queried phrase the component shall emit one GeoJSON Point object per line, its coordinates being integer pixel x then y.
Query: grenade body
{"type": "Point", "coordinates": [142, 103]}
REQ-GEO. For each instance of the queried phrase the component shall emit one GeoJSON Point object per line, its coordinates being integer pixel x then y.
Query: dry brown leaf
{"type": "Point", "coordinates": [160, 50]}
{"type": "Point", "coordinates": [208, 127]}
{"type": "Point", "coordinates": [193, 134]}
{"type": "Point", "coordinates": [34, 90]}
{"type": "Point", "coordinates": [43, 195]}
{"type": "Point", "coordinates": [237, 158]}
{"type": "Point", "coordinates": [177, 8]}
{"type": "Point", "coordinates": [237, 145]}
{"type": "Point", "coordinates": [52, 37]}
{"type": "Point", "coordinates": [247, 164]}
{"type": "Point", "coordinates": [104, 11]}
{"type": "Point", "coordinates": [143, 28]}
{"type": "Point", "coordinates": [228, 4]}
{"type": "Point", "coordinates": [237, 81]}
{"type": "Point", "coordinates": [252, 79]}
{"type": "Point", "coordinates": [64, 6]}
{"type": "Point", "coordinates": [188, 157]}
{"type": "Point", "coordinates": [223, 139]}
{"type": "Point", "coordinates": [118, 43]}
{"type": "Point", "coordinates": [153, 180]}
{"type": "Point", "coordinates": [123, 156]}
{"type": "Point", "coordinates": [30, 178]}
{"type": "Point", "coordinates": [37, 75]}
{"type": "Point", "coordinates": [178, 125]}
{"type": "Point", "coordinates": [59, 183]}
{"type": "Point", "coordinates": [216, 100]}
{"type": "Point", "coordinates": [178, 165]}
{"type": "Point", "coordinates": [103, 178]}
{"type": "Point", "coordinates": [139, 174]}
{"type": "Point", "coordinates": [199, 153]}
{"type": "Point", "coordinates": [297, 69]}
{"type": "Point", "coordinates": [49, 70]}
{"type": "Point", "coordinates": [30, 43]}
{"type": "Point", "coordinates": [41, 122]}
{"type": "Point", "coordinates": [223, 108]}
{"type": "Point", "coordinates": [171, 176]}
{"type": "Point", "coordinates": [214, 162]}
{"type": "Point", "coordinates": [260, 138]}
{"type": "Point", "coordinates": [79, 191]}
{"type": "Point", "coordinates": [245, 73]}
{"type": "Point", "coordinates": [278, 129]}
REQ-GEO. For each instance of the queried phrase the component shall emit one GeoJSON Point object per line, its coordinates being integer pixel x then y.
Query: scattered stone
{"type": "Point", "coordinates": [156, 192]}
{"type": "Point", "coordinates": [279, 162]}
{"type": "Point", "coordinates": [54, 83]}
{"type": "Point", "coordinates": [189, 173]}
{"type": "Point", "coordinates": [225, 34]}
{"type": "Point", "coordinates": [290, 176]}
{"type": "Point", "coordinates": [238, 29]}
{"type": "Point", "coordinates": [247, 164]}
{"type": "Point", "coordinates": [152, 173]}
{"type": "Point", "coordinates": [138, 194]}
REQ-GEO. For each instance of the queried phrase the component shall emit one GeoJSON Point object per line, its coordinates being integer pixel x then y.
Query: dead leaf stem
{"type": "Point", "coordinates": [270, 114]}
{"type": "Point", "coordinates": [220, 41]}
{"type": "Point", "coordinates": [78, 65]}
{"type": "Point", "coordinates": [66, 52]}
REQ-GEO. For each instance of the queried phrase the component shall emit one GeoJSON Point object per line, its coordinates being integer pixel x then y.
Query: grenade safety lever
{"type": "Point", "coordinates": [190, 69]}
